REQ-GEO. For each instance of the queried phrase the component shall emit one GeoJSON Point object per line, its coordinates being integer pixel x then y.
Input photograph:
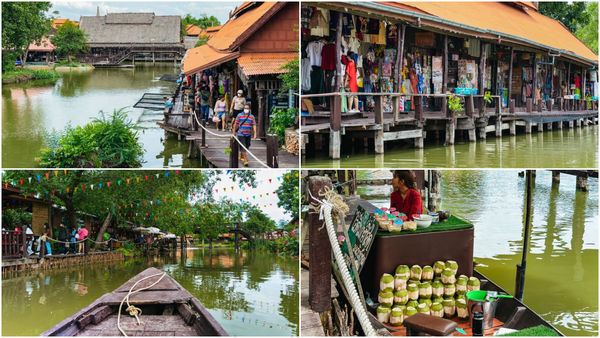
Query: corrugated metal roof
{"type": "Point", "coordinates": [204, 57]}
{"type": "Point", "coordinates": [128, 28]}
{"type": "Point", "coordinates": [502, 18]}
{"type": "Point", "coordinates": [264, 63]}
{"type": "Point", "coordinates": [237, 30]}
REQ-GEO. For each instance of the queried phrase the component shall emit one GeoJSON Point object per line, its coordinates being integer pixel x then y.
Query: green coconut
{"type": "Point", "coordinates": [416, 272]}
{"type": "Point", "coordinates": [412, 303]}
{"type": "Point", "coordinates": [386, 298]}
{"type": "Point", "coordinates": [423, 308]}
{"type": "Point", "coordinates": [437, 310]}
{"type": "Point", "coordinates": [396, 317]}
{"type": "Point", "coordinates": [461, 309]}
{"type": "Point", "coordinates": [413, 291]}
{"type": "Point", "coordinates": [386, 282]}
{"type": "Point", "coordinates": [449, 307]}
{"type": "Point", "coordinates": [403, 270]}
{"type": "Point", "coordinates": [461, 296]}
{"type": "Point", "coordinates": [400, 282]}
{"type": "Point", "coordinates": [401, 297]}
{"type": "Point", "coordinates": [437, 289]}
{"type": "Point", "coordinates": [448, 276]}
{"type": "Point", "coordinates": [437, 279]}
{"type": "Point", "coordinates": [427, 273]}
{"type": "Point", "coordinates": [397, 307]}
{"type": "Point", "coordinates": [410, 311]}
{"type": "Point", "coordinates": [461, 286]}
{"type": "Point", "coordinates": [438, 267]}
{"type": "Point", "coordinates": [414, 281]}
{"type": "Point", "coordinates": [473, 284]}
{"type": "Point", "coordinates": [449, 290]}
{"type": "Point", "coordinates": [425, 290]}
{"type": "Point", "coordinates": [462, 277]}
{"type": "Point", "coordinates": [437, 300]}
{"type": "Point", "coordinates": [452, 265]}
{"type": "Point", "coordinates": [425, 301]}
{"type": "Point", "coordinates": [383, 314]}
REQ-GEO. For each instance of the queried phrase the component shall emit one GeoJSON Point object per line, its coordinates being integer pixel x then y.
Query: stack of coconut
{"type": "Point", "coordinates": [433, 290]}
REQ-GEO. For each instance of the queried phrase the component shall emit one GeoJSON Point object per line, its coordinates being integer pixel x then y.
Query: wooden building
{"type": "Point", "coordinates": [412, 56]}
{"type": "Point", "coordinates": [116, 37]}
{"type": "Point", "coordinates": [248, 51]}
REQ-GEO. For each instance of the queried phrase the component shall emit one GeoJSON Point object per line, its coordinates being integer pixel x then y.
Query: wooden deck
{"type": "Point", "coordinates": [214, 151]}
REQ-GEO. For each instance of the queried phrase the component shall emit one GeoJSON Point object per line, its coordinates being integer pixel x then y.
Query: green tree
{"type": "Point", "coordinates": [204, 21]}
{"type": "Point", "coordinates": [258, 223]}
{"type": "Point", "coordinates": [69, 40]}
{"type": "Point", "coordinates": [108, 142]}
{"type": "Point", "coordinates": [202, 39]}
{"type": "Point", "coordinates": [572, 14]}
{"type": "Point", "coordinates": [588, 33]}
{"type": "Point", "coordinates": [288, 193]}
{"type": "Point", "coordinates": [22, 23]}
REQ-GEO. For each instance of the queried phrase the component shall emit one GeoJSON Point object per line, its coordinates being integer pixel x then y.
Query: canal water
{"type": "Point", "coordinates": [566, 148]}
{"type": "Point", "coordinates": [248, 293]}
{"type": "Point", "coordinates": [29, 111]}
{"type": "Point", "coordinates": [561, 281]}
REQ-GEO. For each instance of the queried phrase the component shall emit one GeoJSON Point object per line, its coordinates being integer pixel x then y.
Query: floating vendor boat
{"type": "Point", "coordinates": [163, 306]}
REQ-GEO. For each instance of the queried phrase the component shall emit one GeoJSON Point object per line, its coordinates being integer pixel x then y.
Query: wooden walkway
{"type": "Point", "coordinates": [214, 151]}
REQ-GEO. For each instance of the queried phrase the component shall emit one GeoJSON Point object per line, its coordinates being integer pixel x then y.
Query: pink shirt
{"type": "Point", "coordinates": [83, 233]}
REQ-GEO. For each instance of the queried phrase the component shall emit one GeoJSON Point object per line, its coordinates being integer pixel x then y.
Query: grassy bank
{"type": "Point", "coordinates": [26, 74]}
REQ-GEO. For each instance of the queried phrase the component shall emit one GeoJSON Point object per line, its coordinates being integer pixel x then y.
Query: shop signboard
{"type": "Point", "coordinates": [361, 234]}
{"type": "Point", "coordinates": [437, 74]}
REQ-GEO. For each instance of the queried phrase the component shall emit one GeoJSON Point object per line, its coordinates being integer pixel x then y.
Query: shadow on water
{"type": "Point", "coordinates": [248, 293]}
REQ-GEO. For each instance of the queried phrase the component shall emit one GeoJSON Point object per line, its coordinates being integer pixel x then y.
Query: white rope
{"type": "Point", "coordinates": [132, 310]}
{"type": "Point", "coordinates": [234, 137]}
{"type": "Point", "coordinates": [361, 313]}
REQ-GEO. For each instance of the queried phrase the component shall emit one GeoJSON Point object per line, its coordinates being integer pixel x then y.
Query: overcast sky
{"type": "Point", "coordinates": [268, 203]}
{"type": "Point", "coordinates": [72, 10]}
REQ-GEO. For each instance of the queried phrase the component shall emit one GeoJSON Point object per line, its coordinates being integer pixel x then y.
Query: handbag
{"type": "Point", "coordinates": [216, 118]}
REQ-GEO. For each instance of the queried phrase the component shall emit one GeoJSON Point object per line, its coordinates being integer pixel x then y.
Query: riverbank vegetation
{"type": "Point", "coordinates": [18, 75]}
{"type": "Point", "coordinates": [109, 141]}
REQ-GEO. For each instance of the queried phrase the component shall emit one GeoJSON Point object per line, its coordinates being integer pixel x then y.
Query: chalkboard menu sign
{"type": "Point", "coordinates": [361, 235]}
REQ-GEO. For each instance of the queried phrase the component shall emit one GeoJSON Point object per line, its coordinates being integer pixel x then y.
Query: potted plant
{"type": "Point", "coordinates": [454, 104]}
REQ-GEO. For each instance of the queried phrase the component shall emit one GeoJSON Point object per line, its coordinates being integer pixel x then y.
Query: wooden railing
{"type": "Point", "coordinates": [14, 243]}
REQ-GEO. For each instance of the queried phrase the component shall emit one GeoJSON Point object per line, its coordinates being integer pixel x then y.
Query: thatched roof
{"type": "Point", "coordinates": [132, 28]}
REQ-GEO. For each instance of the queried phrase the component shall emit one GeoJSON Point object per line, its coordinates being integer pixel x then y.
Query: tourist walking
{"type": "Point", "coordinates": [204, 100]}
{"type": "Point", "coordinates": [243, 126]}
{"type": "Point", "coordinates": [220, 110]}
{"type": "Point", "coordinates": [237, 106]}
{"type": "Point", "coordinates": [28, 231]}
{"type": "Point", "coordinates": [63, 236]}
{"type": "Point", "coordinates": [83, 233]}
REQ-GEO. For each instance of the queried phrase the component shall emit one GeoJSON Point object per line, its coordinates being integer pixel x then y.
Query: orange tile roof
{"type": "Point", "coordinates": [264, 63]}
{"type": "Point", "coordinates": [204, 57]}
{"type": "Point", "coordinates": [506, 20]}
{"type": "Point", "coordinates": [194, 30]}
{"type": "Point", "coordinates": [58, 22]}
{"type": "Point", "coordinates": [44, 46]}
{"type": "Point", "coordinates": [237, 30]}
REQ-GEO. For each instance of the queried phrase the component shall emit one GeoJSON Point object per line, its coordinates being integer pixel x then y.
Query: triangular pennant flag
{"type": "Point", "coordinates": [166, 174]}
{"type": "Point", "coordinates": [119, 182]}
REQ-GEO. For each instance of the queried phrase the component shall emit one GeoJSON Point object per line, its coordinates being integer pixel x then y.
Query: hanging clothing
{"type": "Point", "coordinates": [319, 23]}
{"type": "Point", "coordinates": [381, 35]}
{"type": "Point", "coordinates": [328, 57]}
{"type": "Point", "coordinates": [313, 50]}
{"type": "Point", "coordinates": [306, 69]}
{"type": "Point", "coordinates": [317, 84]}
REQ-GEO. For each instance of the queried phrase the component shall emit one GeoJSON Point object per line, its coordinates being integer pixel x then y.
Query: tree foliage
{"type": "Point", "coordinates": [22, 23]}
{"type": "Point", "coordinates": [588, 33]}
{"type": "Point", "coordinates": [257, 222]}
{"type": "Point", "coordinates": [69, 40]}
{"type": "Point", "coordinates": [204, 21]}
{"type": "Point", "coordinates": [288, 193]}
{"type": "Point", "coordinates": [108, 142]}
{"type": "Point", "coordinates": [572, 14]}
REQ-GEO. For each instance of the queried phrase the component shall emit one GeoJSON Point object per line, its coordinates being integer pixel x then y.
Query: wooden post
{"type": "Point", "coordinates": [469, 106]}
{"type": "Point", "coordinates": [582, 183]}
{"type": "Point", "coordinates": [418, 108]}
{"type": "Point", "coordinates": [511, 106]}
{"type": "Point", "coordinates": [319, 251]}
{"type": "Point", "coordinates": [445, 62]}
{"type": "Point", "coordinates": [204, 133]}
{"type": "Point", "coordinates": [534, 77]}
{"type": "Point", "coordinates": [262, 115]}
{"type": "Point", "coordinates": [335, 137]}
{"type": "Point", "coordinates": [379, 109]}
{"type": "Point", "coordinates": [42, 249]}
{"type": "Point", "coordinates": [272, 150]}
{"type": "Point", "coordinates": [379, 147]}
{"type": "Point", "coordinates": [529, 104]}
{"type": "Point", "coordinates": [234, 154]}
{"type": "Point", "coordinates": [24, 242]}
{"type": "Point", "coordinates": [481, 80]}
{"type": "Point", "coordinates": [555, 177]}
{"type": "Point", "coordinates": [510, 71]}
{"type": "Point", "coordinates": [498, 102]}
{"type": "Point", "coordinates": [339, 77]}
{"type": "Point", "coordinates": [568, 78]}
{"type": "Point", "coordinates": [582, 96]}
{"type": "Point", "coordinates": [399, 56]}
{"type": "Point", "coordinates": [434, 190]}
{"type": "Point", "coordinates": [352, 184]}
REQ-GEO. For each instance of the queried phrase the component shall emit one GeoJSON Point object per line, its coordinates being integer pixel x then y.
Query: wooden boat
{"type": "Point", "coordinates": [167, 310]}
{"type": "Point", "coordinates": [510, 314]}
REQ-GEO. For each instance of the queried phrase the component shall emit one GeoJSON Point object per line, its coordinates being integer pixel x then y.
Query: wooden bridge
{"type": "Point", "coordinates": [218, 148]}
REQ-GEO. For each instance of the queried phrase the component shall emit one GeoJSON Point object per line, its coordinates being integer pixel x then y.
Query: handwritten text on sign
{"type": "Point", "coordinates": [361, 233]}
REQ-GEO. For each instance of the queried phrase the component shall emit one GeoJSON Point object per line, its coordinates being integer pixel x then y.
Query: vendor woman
{"type": "Point", "coordinates": [405, 198]}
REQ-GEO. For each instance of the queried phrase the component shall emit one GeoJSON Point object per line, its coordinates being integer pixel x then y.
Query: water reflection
{"type": "Point", "coordinates": [249, 293]}
{"type": "Point", "coordinates": [560, 148]}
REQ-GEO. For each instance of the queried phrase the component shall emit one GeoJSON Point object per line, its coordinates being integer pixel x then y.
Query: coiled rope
{"type": "Point", "coordinates": [133, 310]}
{"type": "Point", "coordinates": [325, 209]}
{"type": "Point", "coordinates": [235, 137]}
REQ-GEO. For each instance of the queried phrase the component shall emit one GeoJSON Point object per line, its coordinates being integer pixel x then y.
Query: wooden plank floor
{"type": "Point", "coordinates": [215, 150]}
{"type": "Point", "coordinates": [151, 326]}
{"type": "Point", "coordinates": [400, 331]}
